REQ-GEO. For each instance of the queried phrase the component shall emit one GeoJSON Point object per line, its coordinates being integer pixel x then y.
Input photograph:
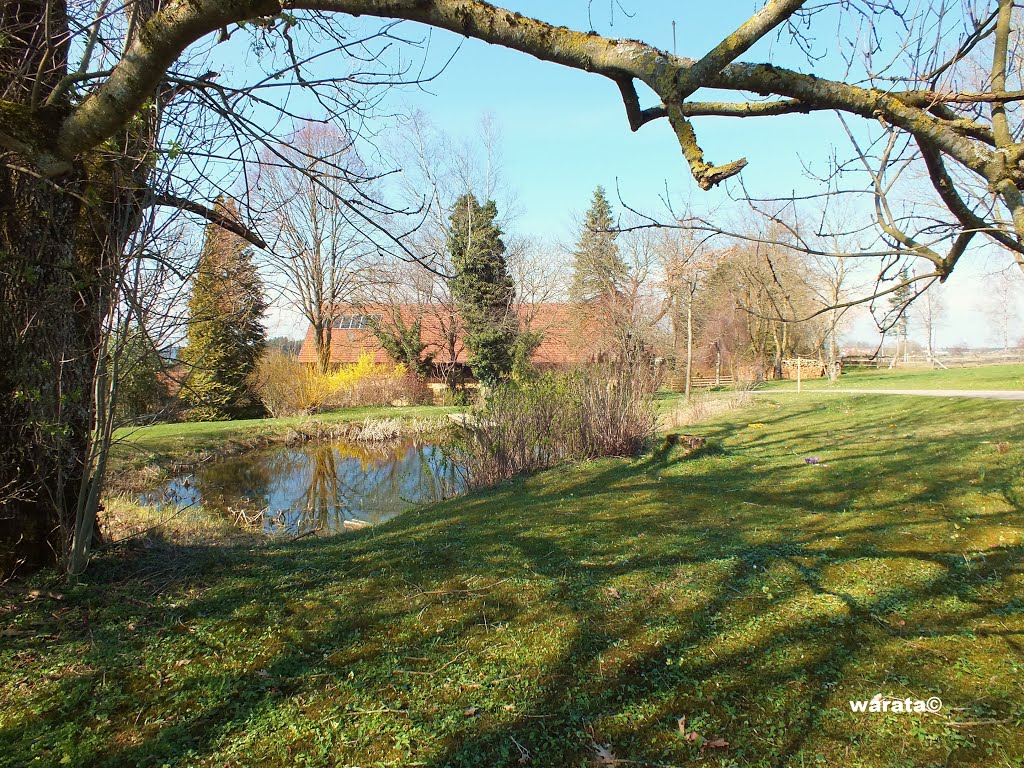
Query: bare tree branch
{"type": "Point", "coordinates": [211, 215]}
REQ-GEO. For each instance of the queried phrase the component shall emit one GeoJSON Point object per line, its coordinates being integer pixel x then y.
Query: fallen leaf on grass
{"type": "Point", "coordinates": [603, 754]}
{"type": "Point", "coordinates": [692, 737]}
{"type": "Point", "coordinates": [614, 592]}
{"type": "Point", "coordinates": [472, 712]}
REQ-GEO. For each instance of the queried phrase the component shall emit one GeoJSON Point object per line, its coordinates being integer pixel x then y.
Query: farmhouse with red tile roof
{"type": "Point", "coordinates": [352, 335]}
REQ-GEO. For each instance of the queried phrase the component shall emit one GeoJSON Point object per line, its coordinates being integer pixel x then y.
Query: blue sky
{"type": "Point", "coordinates": [565, 131]}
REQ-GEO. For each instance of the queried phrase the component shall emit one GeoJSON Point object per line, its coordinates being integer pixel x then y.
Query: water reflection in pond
{"type": "Point", "coordinates": [326, 487]}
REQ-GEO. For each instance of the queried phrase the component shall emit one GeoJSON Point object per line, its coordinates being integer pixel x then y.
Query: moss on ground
{"type": "Point", "coordinates": [747, 590]}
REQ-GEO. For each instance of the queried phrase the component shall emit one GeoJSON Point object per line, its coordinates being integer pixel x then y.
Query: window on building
{"type": "Point", "coordinates": [356, 322]}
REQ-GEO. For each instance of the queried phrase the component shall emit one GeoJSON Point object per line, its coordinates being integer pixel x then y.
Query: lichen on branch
{"type": "Point", "coordinates": [705, 174]}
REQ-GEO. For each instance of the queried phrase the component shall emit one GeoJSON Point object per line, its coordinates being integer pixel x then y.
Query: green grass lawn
{"type": "Point", "coordinates": [1009, 376]}
{"type": "Point", "coordinates": [744, 589]}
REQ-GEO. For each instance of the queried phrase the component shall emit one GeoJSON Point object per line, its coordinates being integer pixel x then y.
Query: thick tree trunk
{"type": "Point", "coordinates": [323, 346]}
{"type": "Point", "coordinates": [833, 355]}
{"type": "Point", "coordinates": [49, 337]}
{"type": "Point", "coordinates": [777, 360]}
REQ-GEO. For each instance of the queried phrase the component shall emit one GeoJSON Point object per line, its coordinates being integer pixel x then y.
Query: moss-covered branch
{"type": "Point", "coordinates": [773, 13]}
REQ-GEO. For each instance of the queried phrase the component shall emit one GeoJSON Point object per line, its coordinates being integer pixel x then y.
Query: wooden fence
{"type": "Point", "coordinates": [941, 360]}
{"type": "Point", "coordinates": [678, 383]}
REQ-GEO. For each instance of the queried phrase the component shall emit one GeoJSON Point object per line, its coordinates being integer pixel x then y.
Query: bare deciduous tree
{"type": "Point", "coordinates": [311, 191]}
{"type": "Point", "coordinates": [931, 307]}
{"type": "Point", "coordinates": [1002, 307]}
{"type": "Point", "coordinates": [834, 281]}
{"type": "Point", "coordinates": [686, 261]}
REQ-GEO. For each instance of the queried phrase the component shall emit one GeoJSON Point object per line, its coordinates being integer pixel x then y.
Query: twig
{"type": "Point", "coordinates": [377, 711]}
{"type": "Point", "coordinates": [968, 724]}
{"type": "Point", "coordinates": [304, 535]}
{"type": "Point", "coordinates": [434, 672]}
{"type": "Point", "coordinates": [467, 591]}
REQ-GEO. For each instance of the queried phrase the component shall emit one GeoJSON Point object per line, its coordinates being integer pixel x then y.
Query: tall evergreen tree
{"type": "Point", "coordinates": [598, 270]}
{"type": "Point", "coordinates": [483, 288]}
{"type": "Point", "coordinates": [899, 301]}
{"type": "Point", "coordinates": [225, 329]}
{"type": "Point", "coordinates": [600, 287]}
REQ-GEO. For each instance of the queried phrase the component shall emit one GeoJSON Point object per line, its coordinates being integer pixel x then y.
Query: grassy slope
{"type": "Point", "coordinates": [1010, 376]}
{"type": "Point", "coordinates": [746, 590]}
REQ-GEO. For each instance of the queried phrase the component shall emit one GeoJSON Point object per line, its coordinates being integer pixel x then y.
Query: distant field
{"type": "Point", "coordinates": [1009, 376]}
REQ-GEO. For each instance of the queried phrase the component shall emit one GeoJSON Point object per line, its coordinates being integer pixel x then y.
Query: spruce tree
{"type": "Point", "coordinates": [225, 329]}
{"type": "Point", "coordinates": [483, 288]}
{"type": "Point", "coordinates": [899, 301]}
{"type": "Point", "coordinates": [597, 269]}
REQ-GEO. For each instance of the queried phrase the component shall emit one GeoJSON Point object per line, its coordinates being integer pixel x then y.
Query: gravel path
{"type": "Point", "coordinates": [985, 394]}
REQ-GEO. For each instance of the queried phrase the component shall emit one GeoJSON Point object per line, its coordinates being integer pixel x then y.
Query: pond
{"type": "Point", "coordinates": [324, 487]}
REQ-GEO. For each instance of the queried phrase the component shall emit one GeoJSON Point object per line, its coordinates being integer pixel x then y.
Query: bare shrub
{"type": "Point", "coordinates": [282, 384]}
{"type": "Point", "coordinates": [616, 413]}
{"type": "Point", "coordinates": [392, 388]}
{"type": "Point", "coordinates": [527, 426]}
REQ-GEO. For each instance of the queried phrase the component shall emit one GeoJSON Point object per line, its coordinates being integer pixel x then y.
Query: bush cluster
{"type": "Point", "coordinates": [287, 387]}
{"type": "Point", "coordinates": [527, 426]}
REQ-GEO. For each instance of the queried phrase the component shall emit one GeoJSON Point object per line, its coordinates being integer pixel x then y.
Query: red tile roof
{"type": "Point", "coordinates": [554, 321]}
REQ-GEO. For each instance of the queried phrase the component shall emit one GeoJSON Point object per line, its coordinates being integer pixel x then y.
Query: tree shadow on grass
{"type": "Point", "coordinates": [597, 603]}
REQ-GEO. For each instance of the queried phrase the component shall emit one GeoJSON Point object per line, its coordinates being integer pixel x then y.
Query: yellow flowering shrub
{"type": "Point", "coordinates": [361, 383]}
{"type": "Point", "coordinates": [347, 377]}
{"type": "Point", "coordinates": [287, 387]}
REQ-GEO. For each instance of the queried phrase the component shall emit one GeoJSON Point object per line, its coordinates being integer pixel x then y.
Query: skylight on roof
{"type": "Point", "coordinates": [356, 322]}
